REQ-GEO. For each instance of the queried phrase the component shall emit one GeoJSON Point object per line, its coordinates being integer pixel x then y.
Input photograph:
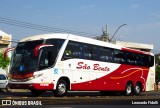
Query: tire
{"type": "Point", "coordinates": [37, 92]}
{"type": "Point", "coordinates": [8, 89]}
{"type": "Point", "coordinates": [61, 89]}
{"type": "Point", "coordinates": [129, 89]}
{"type": "Point", "coordinates": [137, 89]}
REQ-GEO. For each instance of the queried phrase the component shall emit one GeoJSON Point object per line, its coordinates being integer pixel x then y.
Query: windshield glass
{"type": "Point", "coordinates": [48, 55]}
{"type": "Point", "coordinates": [23, 60]}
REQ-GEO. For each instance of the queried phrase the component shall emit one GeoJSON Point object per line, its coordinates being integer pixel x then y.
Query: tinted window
{"type": "Point", "coordinates": [90, 52]}
{"type": "Point", "coordinates": [119, 56]}
{"type": "Point", "coordinates": [56, 42]}
{"type": "Point", "coordinates": [106, 54]}
{"type": "Point", "coordinates": [139, 59]}
{"type": "Point", "coordinates": [46, 59]}
{"type": "Point", "coordinates": [151, 60]}
{"type": "Point", "coordinates": [147, 60]}
{"type": "Point", "coordinates": [132, 58]}
{"type": "Point", "coordinates": [49, 54]}
{"type": "Point", "coordinates": [73, 50]}
{"type": "Point", "coordinates": [23, 59]}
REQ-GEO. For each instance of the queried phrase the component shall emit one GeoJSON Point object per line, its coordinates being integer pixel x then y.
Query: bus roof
{"type": "Point", "coordinates": [45, 36]}
{"type": "Point", "coordinates": [81, 39]}
{"type": "Point", "coordinates": [70, 37]}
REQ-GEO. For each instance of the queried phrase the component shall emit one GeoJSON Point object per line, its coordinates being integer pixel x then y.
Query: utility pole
{"type": "Point", "coordinates": [117, 31]}
{"type": "Point", "coordinates": [105, 35]}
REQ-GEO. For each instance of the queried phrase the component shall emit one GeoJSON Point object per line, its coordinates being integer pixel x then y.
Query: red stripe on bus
{"type": "Point", "coordinates": [132, 50]}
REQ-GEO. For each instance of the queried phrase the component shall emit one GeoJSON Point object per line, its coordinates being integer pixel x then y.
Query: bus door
{"type": "Point", "coordinates": [46, 61]}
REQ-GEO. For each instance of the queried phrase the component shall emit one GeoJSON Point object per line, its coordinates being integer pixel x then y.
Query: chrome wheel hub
{"type": "Point", "coordinates": [61, 88]}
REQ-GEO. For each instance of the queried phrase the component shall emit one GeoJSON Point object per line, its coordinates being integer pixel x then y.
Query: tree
{"type": "Point", "coordinates": [4, 62]}
{"type": "Point", "coordinates": [157, 59]}
{"type": "Point", "coordinates": [157, 72]}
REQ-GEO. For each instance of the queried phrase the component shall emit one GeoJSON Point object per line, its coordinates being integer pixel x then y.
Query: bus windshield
{"type": "Point", "coordinates": [23, 60]}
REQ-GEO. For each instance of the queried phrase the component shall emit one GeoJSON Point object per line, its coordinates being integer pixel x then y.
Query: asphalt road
{"type": "Point", "coordinates": [77, 98]}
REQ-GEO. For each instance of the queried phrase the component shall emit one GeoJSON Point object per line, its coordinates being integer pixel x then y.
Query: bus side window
{"type": "Point", "coordinates": [119, 56]}
{"type": "Point", "coordinates": [94, 51]}
{"type": "Point", "coordinates": [138, 59]}
{"type": "Point", "coordinates": [143, 61]}
{"type": "Point", "coordinates": [151, 61]}
{"type": "Point", "coordinates": [132, 58]}
{"type": "Point", "coordinates": [90, 52]}
{"type": "Point", "coordinates": [73, 50]}
{"type": "Point", "coordinates": [106, 55]}
{"type": "Point", "coordinates": [147, 60]}
{"type": "Point", "coordinates": [86, 52]}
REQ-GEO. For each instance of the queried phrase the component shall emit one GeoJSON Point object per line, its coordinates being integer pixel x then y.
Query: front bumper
{"type": "Point", "coordinates": [35, 86]}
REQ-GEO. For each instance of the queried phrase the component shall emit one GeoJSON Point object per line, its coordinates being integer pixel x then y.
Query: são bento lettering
{"type": "Point", "coordinates": [82, 65]}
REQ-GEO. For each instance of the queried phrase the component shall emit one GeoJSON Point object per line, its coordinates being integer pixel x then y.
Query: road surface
{"type": "Point", "coordinates": [77, 98]}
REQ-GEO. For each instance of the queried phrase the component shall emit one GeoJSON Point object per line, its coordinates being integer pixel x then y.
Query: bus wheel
{"type": "Point", "coordinates": [36, 92]}
{"type": "Point", "coordinates": [137, 89]}
{"type": "Point", "coordinates": [129, 89]}
{"type": "Point", "coordinates": [61, 89]}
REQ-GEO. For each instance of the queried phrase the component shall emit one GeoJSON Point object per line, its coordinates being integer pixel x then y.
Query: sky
{"type": "Point", "coordinates": [88, 16]}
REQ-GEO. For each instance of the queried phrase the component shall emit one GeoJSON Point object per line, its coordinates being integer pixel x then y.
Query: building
{"type": "Point", "coordinates": [4, 43]}
{"type": "Point", "coordinates": [137, 46]}
{"type": "Point", "coordinates": [132, 45]}
{"type": "Point", "coordinates": [5, 40]}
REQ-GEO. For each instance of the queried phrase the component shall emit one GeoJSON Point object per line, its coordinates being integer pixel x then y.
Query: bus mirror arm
{"type": "Point", "coordinates": [8, 50]}
{"type": "Point", "coordinates": [38, 47]}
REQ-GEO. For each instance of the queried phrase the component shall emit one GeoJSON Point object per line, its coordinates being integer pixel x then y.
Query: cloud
{"type": "Point", "coordinates": [134, 6]}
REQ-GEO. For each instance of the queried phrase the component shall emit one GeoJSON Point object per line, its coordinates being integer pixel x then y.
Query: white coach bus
{"type": "Point", "coordinates": [65, 62]}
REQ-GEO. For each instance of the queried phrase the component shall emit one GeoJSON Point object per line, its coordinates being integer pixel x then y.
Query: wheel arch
{"type": "Point", "coordinates": [129, 81]}
{"type": "Point", "coordinates": [66, 79]}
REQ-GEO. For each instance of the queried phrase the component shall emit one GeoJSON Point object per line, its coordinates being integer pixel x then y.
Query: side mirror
{"type": "Point", "coordinates": [7, 50]}
{"type": "Point", "coordinates": [38, 47]}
